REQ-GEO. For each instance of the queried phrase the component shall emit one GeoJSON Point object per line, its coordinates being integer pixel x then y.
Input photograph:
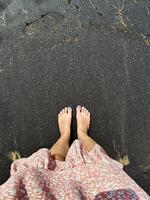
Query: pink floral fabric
{"type": "Point", "coordinates": [121, 194]}
{"type": "Point", "coordinates": [82, 176]}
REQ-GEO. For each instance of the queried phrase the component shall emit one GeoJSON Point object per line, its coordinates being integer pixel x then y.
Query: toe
{"type": "Point", "coordinates": [88, 113]}
{"type": "Point", "coordinates": [83, 109]}
{"type": "Point", "coordinates": [69, 109]}
{"type": "Point", "coordinates": [63, 110]}
{"type": "Point", "coordinates": [66, 110]}
{"type": "Point", "coordinates": [78, 109]}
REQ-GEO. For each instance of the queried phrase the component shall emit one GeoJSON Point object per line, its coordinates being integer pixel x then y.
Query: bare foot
{"type": "Point", "coordinates": [64, 122]}
{"type": "Point", "coordinates": [83, 121]}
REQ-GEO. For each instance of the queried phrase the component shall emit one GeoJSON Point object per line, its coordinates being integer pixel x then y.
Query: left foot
{"type": "Point", "coordinates": [64, 122]}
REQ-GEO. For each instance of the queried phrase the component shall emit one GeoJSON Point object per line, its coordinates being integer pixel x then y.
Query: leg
{"type": "Point", "coordinates": [88, 142]}
{"type": "Point", "coordinates": [60, 148]}
{"type": "Point", "coordinates": [83, 123]}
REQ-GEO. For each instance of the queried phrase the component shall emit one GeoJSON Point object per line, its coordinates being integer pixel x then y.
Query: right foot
{"type": "Point", "coordinates": [83, 121]}
{"type": "Point", "coordinates": [64, 121]}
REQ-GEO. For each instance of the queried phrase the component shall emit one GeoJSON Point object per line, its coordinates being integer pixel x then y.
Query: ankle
{"type": "Point", "coordinates": [82, 135]}
{"type": "Point", "coordinates": [64, 139]}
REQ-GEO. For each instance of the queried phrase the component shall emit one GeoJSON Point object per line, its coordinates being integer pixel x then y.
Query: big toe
{"type": "Point", "coordinates": [78, 109]}
{"type": "Point", "coordinates": [69, 109]}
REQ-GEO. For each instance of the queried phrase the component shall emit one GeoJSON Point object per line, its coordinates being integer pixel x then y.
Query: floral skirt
{"type": "Point", "coordinates": [83, 175]}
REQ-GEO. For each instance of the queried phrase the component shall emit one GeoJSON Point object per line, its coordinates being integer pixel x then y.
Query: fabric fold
{"type": "Point", "coordinates": [84, 175]}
